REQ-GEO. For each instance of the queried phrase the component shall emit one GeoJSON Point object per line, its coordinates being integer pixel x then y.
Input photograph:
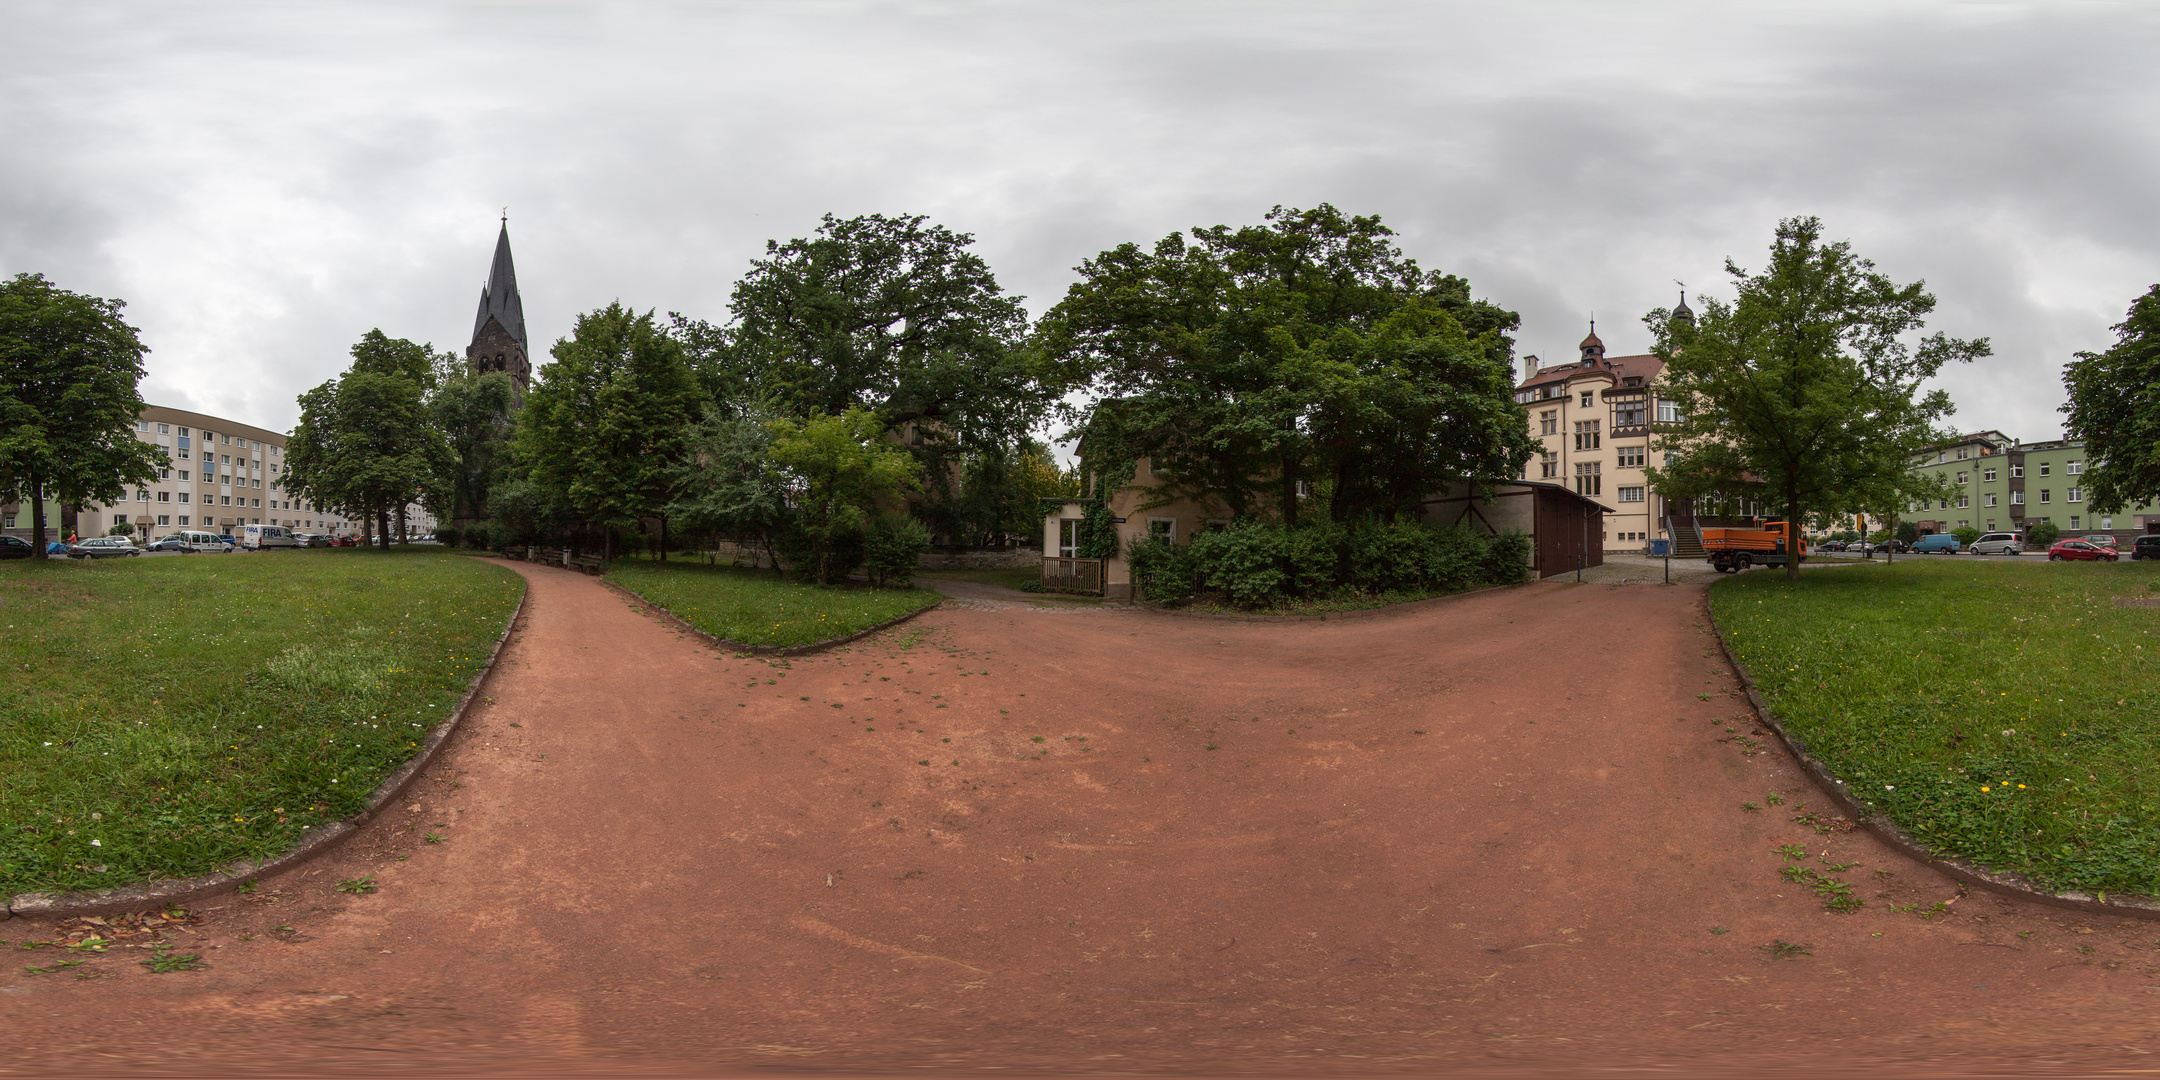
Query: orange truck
{"type": "Point", "coordinates": [1734, 550]}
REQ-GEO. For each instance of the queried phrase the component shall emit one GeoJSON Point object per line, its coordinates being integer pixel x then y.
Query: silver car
{"type": "Point", "coordinates": [1998, 543]}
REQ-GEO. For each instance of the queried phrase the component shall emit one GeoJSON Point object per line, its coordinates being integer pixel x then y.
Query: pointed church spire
{"type": "Point", "coordinates": [500, 298]}
{"type": "Point", "coordinates": [498, 342]}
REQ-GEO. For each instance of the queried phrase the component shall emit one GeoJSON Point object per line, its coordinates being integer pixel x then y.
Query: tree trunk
{"type": "Point", "coordinates": [382, 525]}
{"type": "Point", "coordinates": [663, 538]}
{"type": "Point", "coordinates": [37, 517]}
{"type": "Point", "coordinates": [1289, 492]}
{"type": "Point", "coordinates": [607, 543]}
{"type": "Point", "coordinates": [1792, 529]}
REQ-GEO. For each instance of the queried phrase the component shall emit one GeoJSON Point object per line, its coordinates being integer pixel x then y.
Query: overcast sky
{"type": "Point", "coordinates": [263, 183]}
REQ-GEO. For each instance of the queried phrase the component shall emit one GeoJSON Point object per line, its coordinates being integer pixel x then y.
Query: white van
{"type": "Point", "coordinates": [200, 541]}
{"type": "Point", "coordinates": [257, 537]}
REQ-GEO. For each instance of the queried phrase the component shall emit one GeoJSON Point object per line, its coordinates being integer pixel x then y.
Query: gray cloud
{"type": "Point", "coordinates": [263, 183]}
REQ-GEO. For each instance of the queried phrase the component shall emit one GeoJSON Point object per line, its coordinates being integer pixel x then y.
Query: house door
{"type": "Point", "coordinates": [1069, 538]}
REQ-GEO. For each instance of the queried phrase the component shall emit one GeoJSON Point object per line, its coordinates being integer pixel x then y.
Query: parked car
{"type": "Point", "coordinates": [2145, 547]}
{"type": "Point", "coordinates": [1831, 545]}
{"type": "Point", "coordinates": [103, 547]}
{"type": "Point", "coordinates": [344, 541]}
{"type": "Point", "coordinates": [1998, 544]}
{"type": "Point", "coordinates": [2101, 540]}
{"type": "Point", "coordinates": [15, 547]}
{"type": "Point", "coordinates": [167, 542]}
{"type": "Point", "coordinates": [308, 540]}
{"type": "Point", "coordinates": [2079, 549]}
{"type": "Point", "coordinates": [1936, 542]}
{"type": "Point", "coordinates": [227, 539]}
{"type": "Point", "coordinates": [197, 540]}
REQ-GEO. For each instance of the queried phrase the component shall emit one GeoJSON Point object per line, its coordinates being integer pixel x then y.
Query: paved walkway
{"type": "Point", "coordinates": [1505, 833]}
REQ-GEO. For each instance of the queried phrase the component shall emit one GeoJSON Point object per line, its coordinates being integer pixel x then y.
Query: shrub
{"type": "Point", "coordinates": [840, 555]}
{"type": "Point", "coordinates": [1507, 558]}
{"type": "Point", "coordinates": [449, 535]}
{"type": "Point", "coordinates": [483, 535]}
{"type": "Point", "coordinates": [1161, 571]}
{"type": "Point", "coordinates": [1245, 561]}
{"type": "Point", "coordinates": [1390, 557]}
{"type": "Point", "coordinates": [2043, 534]}
{"type": "Point", "coordinates": [892, 548]}
{"type": "Point", "coordinates": [1965, 534]}
{"type": "Point", "coordinates": [1457, 557]}
{"type": "Point", "coordinates": [121, 530]}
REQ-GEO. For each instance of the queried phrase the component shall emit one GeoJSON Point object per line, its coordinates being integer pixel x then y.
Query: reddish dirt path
{"type": "Point", "coordinates": [1233, 851]}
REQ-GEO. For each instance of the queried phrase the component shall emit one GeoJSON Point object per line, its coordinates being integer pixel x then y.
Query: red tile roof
{"type": "Point", "coordinates": [1620, 368]}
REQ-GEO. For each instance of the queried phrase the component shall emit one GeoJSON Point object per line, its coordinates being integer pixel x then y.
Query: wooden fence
{"type": "Point", "coordinates": [1072, 575]}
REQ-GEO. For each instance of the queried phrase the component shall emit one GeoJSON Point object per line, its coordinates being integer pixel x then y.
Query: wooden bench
{"type": "Point", "coordinates": [591, 564]}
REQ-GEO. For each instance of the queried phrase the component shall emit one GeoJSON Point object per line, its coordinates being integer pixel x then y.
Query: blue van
{"type": "Point", "coordinates": [1934, 542]}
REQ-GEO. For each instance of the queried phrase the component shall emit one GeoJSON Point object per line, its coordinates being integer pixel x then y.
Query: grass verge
{"type": "Point", "coordinates": [162, 717]}
{"type": "Point", "coordinates": [756, 607]}
{"type": "Point", "coordinates": [1998, 712]}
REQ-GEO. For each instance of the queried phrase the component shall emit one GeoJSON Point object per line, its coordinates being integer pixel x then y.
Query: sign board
{"type": "Point", "coordinates": [1118, 520]}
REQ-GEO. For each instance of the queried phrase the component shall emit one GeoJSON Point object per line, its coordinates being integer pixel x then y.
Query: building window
{"type": "Point", "coordinates": [1631, 457]}
{"type": "Point", "coordinates": [1940, 505]}
{"type": "Point", "coordinates": [1588, 480]}
{"type": "Point", "coordinates": [1548, 466]}
{"type": "Point", "coordinates": [2043, 469]}
{"type": "Point", "coordinates": [2074, 526]}
{"type": "Point", "coordinates": [164, 429]}
{"type": "Point", "coordinates": [1964, 502]}
{"type": "Point", "coordinates": [1961, 453]}
{"type": "Point", "coordinates": [2107, 523]}
{"type": "Point", "coordinates": [225, 500]}
{"type": "Point", "coordinates": [1941, 456]}
{"type": "Point", "coordinates": [1631, 494]}
{"type": "Point", "coordinates": [1068, 538]}
{"type": "Point", "coordinates": [1991, 525]}
{"type": "Point", "coordinates": [121, 519]}
{"type": "Point", "coordinates": [1629, 414]}
{"type": "Point", "coordinates": [1549, 422]}
{"type": "Point", "coordinates": [2044, 495]}
{"type": "Point", "coordinates": [1963, 477]}
{"type": "Point", "coordinates": [1987, 475]}
{"type": "Point", "coordinates": [183, 496]}
{"type": "Point", "coordinates": [183, 518]}
{"type": "Point", "coordinates": [164, 496]}
{"type": "Point", "coordinates": [2074, 495]}
{"type": "Point", "coordinates": [164, 519]}
{"type": "Point", "coordinates": [2017, 472]}
{"type": "Point", "coordinates": [183, 451]}
{"type": "Point", "coordinates": [2017, 498]}
{"type": "Point", "coordinates": [1668, 411]}
{"type": "Point", "coordinates": [1586, 434]}
{"type": "Point", "coordinates": [1586, 399]}
{"type": "Point", "coordinates": [2075, 468]}
{"type": "Point", "coordinates": [1162, 528]}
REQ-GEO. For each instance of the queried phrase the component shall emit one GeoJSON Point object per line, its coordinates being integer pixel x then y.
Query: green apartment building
{"type": "Point", "coordinates": [1998, 484]}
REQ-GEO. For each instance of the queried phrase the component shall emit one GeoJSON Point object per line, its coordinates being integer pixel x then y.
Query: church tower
{"type": "Point", "coordinates": [498, 341]}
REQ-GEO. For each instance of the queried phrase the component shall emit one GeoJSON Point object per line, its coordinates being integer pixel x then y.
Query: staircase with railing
{"type": "Point", "coordinates": [1686, 537]}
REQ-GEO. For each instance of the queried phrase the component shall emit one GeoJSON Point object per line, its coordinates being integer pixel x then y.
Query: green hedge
{"type": "Point", "coordinates": [1263, 565]}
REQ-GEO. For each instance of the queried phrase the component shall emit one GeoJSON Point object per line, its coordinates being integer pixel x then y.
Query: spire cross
{"type": "Point", "coordinates": [506, 215]}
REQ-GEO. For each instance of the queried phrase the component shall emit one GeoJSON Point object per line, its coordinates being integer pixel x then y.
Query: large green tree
{"type": "Point", "coordinates": [365, 444]}
{"type": "Point", "coordinates": [1805, 390]}
{"type": "Point", "coordinates": [843, 476]}
{"type": "Point", "coordinates": [1245, 362]}
{"type": "Point", "coordinates": [608, 423]}
{"type": "Point", "coordinates": [894, 315]}
{"type": "Point", "coordinates": [2114, 409]}
{"type": "Point", "coordinates": [69, 366]}
{"type": "Point", "coordinates": [473, 411]}
{"type": "Point", "coordinates": [728, 484]}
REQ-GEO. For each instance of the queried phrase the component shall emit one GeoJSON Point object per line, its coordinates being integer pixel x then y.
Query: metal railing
{"type": "Point", "coordinates": [1083, 576]}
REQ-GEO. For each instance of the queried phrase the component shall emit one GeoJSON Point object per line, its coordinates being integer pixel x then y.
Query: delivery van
{"type": "Point", "coordinates": [258, 537]}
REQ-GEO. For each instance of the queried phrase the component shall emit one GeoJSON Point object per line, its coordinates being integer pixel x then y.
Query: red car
{"type": "Point", "coordinates": [2079, 549]}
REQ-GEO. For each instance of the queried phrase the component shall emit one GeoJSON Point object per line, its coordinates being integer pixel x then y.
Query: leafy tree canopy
{"type": "Point", "coordinates": [1805, 389]}
{"type": "Point", "coordinates": [844, 476]}
{"type": "Point", "coordinates": [473, 411]}
{"type": "Point", "coordinates": [888, 314]}
{"type": "Point", "coordinates": [609, 420]}
{"type": "Point", "coordinates": [69, 366]}
{"type": "Point", "coordinates": [728, 482]}
{"type": "Point", "coordinates": [1243, 361]}
{"type": "Point", "coordinates": [2115, 409]}
{"type": "Point", "coordinates": [364, 444]}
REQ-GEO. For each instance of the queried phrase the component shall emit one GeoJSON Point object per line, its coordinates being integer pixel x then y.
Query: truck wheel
{"type": "Point", "coordinates": [1741, 562]}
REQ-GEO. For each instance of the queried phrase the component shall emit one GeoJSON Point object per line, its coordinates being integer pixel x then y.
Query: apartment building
{"type": "Point", "coordinates": [1592, 420]}
{"type": "Point", "coordinates": [1998, 484]}
{"type": "Point", "coordinates": [219, 474]}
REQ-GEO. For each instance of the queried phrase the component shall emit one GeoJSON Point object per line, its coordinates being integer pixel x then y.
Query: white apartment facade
{"type": "Point", "coordinates": [219, 474]}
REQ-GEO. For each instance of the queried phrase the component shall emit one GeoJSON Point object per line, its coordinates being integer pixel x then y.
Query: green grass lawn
{"type": "Point", "coordinates": [161, 717]}
{"type": "Point", "coordinates": [757, 607]}
{"type": "Point", "coordinates": [1011, 577]}
{"type": "Point", "coordinates": [2007, 713]}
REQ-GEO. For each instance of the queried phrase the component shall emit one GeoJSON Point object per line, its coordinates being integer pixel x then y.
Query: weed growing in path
{"type": "Point", "coordinates": [358, 886]}
{"type": "Point", "coordinates": [165, 962]}
{"type": "Point", "coordinates": [1780, 949]}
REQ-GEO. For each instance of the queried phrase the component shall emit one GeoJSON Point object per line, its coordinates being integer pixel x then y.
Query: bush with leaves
{"type": "Point", "coordinates": [1965, 534]}
{"type": "Point", "coordinates": [2043, 534]}
{"type": "Point", "coordinates": [449, 535]}
{"type": "Point", "coordinates": [1162, 572]}
{"type": "Point", "coordinates": [844, 475]}
{"type": "Point", "coordinates": [892, 548]}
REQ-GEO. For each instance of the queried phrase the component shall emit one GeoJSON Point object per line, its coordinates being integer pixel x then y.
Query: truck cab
{"type": "Point", "coordinates": [1730, 551]}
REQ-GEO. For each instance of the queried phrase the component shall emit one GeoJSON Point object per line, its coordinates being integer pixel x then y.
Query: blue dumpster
{"type": "Point", "coordinates": [1660, 549]}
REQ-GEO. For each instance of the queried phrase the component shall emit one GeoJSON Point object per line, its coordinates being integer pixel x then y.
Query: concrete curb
{"type": "Point", "coordinates": [312, 843]}
{"type": "Point", "coordinates": [1405, 607]}
{"type": "Point", "coordinates": [1889, 833]}
{"type": "Point", "coordinates": [761, 650]}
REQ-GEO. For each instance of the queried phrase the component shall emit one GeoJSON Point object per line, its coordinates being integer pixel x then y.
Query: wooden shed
{"type": "Point", "coordinates": [1566, 530]}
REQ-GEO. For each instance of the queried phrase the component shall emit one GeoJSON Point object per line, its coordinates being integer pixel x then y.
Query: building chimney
{"type": "Point", "coordinates": [1530, 366]}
